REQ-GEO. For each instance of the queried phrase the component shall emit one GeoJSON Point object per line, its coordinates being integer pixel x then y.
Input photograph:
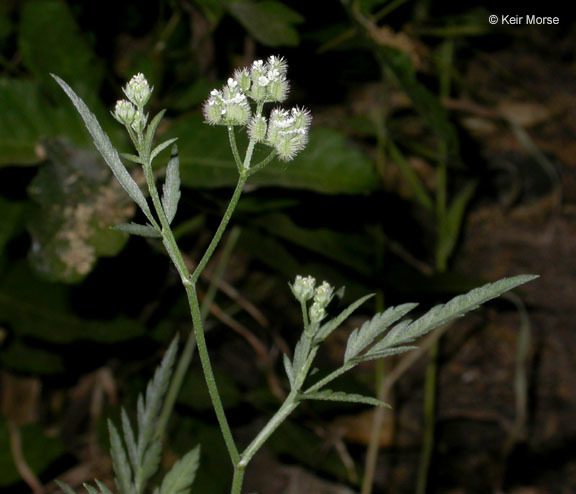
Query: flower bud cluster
{"type": "Point", "coordinates": [130, 112]}
{"type": "Point", "coordinates": [228, 106]}
{"type": "Point", "coordinates": [304, 289]}
{"type": "Point", "coordinates": [138, 90]}
{"type": "Point", "coordinates": [322, 297]}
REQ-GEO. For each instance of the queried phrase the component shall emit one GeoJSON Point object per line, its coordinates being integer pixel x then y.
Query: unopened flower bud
{"type": "Point", "coordinates": [317, 313]}
{"type": "Point", "coordinates": [323, 294]}
{"type": "Point", "coordinates": [257, 128]}
{"type": "Point", "coordinates": [125, 112]}
{"type": "Point", "coordinates": [277, 64]}
{"type": "Point", "coordinates": [303, 288]}
{"type": "Point", "coordinates": [278, 90]}
{"type": "Point", "coordinates": [242, 77]}
{"type": "Point", "coordinates": [138, 90]}
{"type": "Point", "coordinates": [139, 123]}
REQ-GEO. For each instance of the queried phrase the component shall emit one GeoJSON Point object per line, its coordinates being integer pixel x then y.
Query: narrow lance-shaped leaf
{"type": "Point", "coordinates": [119, 461]}
{"type": "Point", "coordinates": [171, 189]}
{"type": "Point", "coordinates": [372, 329]}
{"type": "Point", "coordinates": [150, 462]}
{"type": "Point", "coordinates": [151, 130]}
{"type": "Point", "coordinates": [107, 150]}
{"type": "Point", "coordinates": [329, 395]}
{"type": "Point", "coordinates": [441, 314]}
{"type": "Point", "coordinates": [180, 477]}
{"type": "Point", "coordinates": [161, 147]}
{"type": "Point", "coordinates": [288, 369]}
{"type": "Point", "coordinates": [136, 229]}
{"type": "Point", "coordinates": [65, 488]}
{"type": "Point", "coordinates": [90, 489]}
{"type": "Point", "coordinates": [103, 488]}
{"type": "Point", "coordinates": [388, 352]}
{"type": "Point", "coordinates": [130, 440]}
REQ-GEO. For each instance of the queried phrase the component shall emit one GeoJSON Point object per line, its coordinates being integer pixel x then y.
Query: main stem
{"type": "Point", "coordinates": [189, 282]}
{"type": "Point", "coordinates": [209, 375]}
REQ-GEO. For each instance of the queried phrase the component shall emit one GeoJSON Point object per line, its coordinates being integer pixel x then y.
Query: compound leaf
{"type": "Point", "coordinates": [441, 314]}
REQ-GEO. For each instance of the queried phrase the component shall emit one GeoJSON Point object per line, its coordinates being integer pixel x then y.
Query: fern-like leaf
{"type": "Point", "coordinates": [439, 315]}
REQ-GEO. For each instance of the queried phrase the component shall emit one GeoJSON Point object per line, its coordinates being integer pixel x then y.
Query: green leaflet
{"type": "Point", "coordinates": [120, 461]}
{"type": "Point", "coordinates": [65, 488]}
{"type": "Point", "coordinates": [136, 229]}
{"type": "Point", "coordinates": [361, 338]}
{"type": "Point", "coordinates": [171, 188]}
{"type": "Point", "coordinates": [182, 474]}
{"type": "Point", "coordinates": [329, 395]}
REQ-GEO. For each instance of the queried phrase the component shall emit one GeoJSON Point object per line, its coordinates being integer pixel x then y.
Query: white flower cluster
{"type": "Point", "coordinates": [304, 289]}
{"type": "Point", "coordinates": [130, 113]}
{"type": "Point", "coordinates": [288, 131]}
{"type": "Point", "coordinates": [228, 106]}
{"type": "Point", "coordinates": [263, 82]}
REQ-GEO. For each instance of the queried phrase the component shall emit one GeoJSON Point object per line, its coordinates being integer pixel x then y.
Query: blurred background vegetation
{"type": "Point", "coordinates": [442, 155]}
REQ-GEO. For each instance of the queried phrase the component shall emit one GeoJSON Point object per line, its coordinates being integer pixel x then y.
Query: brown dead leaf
{"type": "Point", "coordinates": [524, 113]}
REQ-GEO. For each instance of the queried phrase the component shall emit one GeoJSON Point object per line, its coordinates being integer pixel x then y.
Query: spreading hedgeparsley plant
{"type": "Point", "coordinates": [238, 106]}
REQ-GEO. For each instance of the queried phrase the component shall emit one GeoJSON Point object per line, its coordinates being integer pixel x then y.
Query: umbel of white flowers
{"type": "Point", "coordinates": [285, 131]}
